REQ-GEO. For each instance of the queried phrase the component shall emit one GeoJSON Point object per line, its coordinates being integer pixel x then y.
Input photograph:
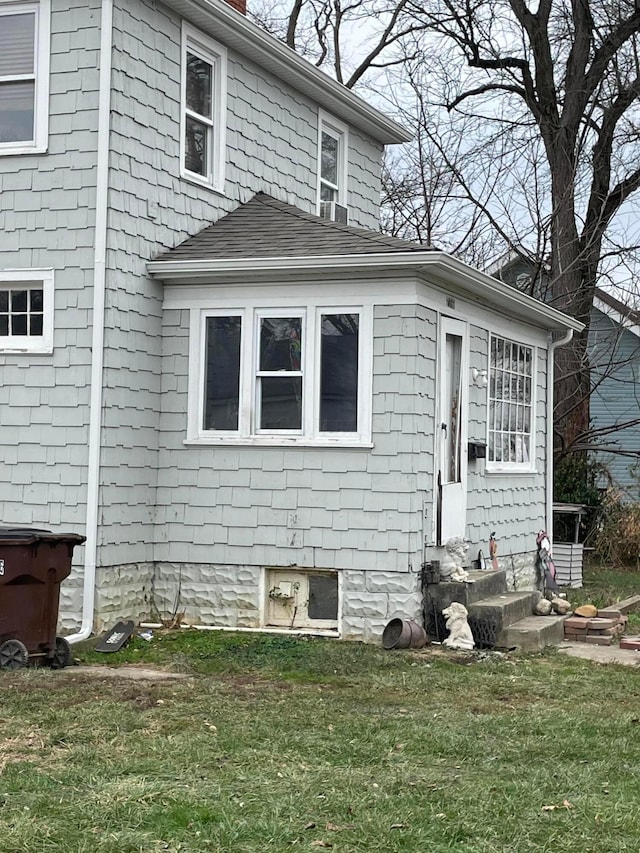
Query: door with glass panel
{"type": "Point", "coordinates": [451, 430]}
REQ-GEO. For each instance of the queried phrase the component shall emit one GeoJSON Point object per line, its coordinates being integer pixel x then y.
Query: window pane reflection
{"type": "Point", "coordinates": [222, 373]}
{"type": "Point", "coordinates": [281, 402]}
{"type": "Point", "coordinates": [339, 373]}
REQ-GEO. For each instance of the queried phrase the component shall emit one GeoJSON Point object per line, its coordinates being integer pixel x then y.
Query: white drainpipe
{"type": "Point", "coordinates": [560, 342]}
{"type": "Point", "coordinates": [97, 341]}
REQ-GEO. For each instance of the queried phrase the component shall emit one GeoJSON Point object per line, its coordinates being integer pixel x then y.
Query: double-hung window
{"type": "Point", "coordinates": [269, 375]}
{"type": "Point", "coordinates": [279, 374]}
{"type": "Point", "coordinates": [332, 162]}
{"type": "Point", "coordinates": [511, 406]}
{"type": "Point", "coordinates": [24, 76]}
{"type": "Point", "coordinates": [202, 148]}
{"type": "Point", "coordinates": [26, 311]}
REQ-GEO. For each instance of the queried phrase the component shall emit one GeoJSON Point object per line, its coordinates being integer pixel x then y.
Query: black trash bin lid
{"type": "Point", "coordinates": [20, 532]}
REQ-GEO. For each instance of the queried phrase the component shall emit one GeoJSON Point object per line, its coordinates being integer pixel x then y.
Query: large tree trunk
{"type": "Point", "coordinates": [571, 394]}
{"type": "Point", "coordinates": [572, 289]}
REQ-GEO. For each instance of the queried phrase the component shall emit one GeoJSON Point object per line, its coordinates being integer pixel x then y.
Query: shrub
{"type": "Point", "coordinates": [617, 540]}
{"type": "Point", "coordinates": [575, 479]}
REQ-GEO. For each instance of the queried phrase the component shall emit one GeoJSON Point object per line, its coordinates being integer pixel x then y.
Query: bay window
{"type": "Point", "coordinates": [265, 375]}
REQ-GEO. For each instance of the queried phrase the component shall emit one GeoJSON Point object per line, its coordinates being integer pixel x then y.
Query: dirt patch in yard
{"type": "Point", "coordinates": [23, 747]}
{"type": "Point", "coordinates": [132, 673]}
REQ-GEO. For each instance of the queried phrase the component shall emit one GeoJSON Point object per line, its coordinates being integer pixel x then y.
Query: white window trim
{"type": "Point", "coordinates": [196, 42]}
{"type": "Point", "coordinates": [31, 344]}
{"type": "Point", "coordinates": [339, 131]}
{"type": "Point", "coordinates": [515, 467]}
{"type": "Point", "coordinates": [42, 10]}
{"type": "Point", "coordinates": [247, 433]}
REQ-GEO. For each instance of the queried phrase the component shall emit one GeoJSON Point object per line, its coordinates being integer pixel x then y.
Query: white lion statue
{"type": "Point", "coordinates": [453, 561]}
{"type": "Point", "coordinates": [460, 636]}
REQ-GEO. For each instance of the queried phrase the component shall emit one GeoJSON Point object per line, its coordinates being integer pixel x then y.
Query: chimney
{"type": "Point", "coordinates": [240, 5]}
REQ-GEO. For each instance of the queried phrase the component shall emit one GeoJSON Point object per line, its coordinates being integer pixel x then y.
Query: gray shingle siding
{"type": "Point", "coordinates": [271, 143]}
{"type": "Point", "coordinates": [47, 212]}
{"type": "Point", "coordinates": [353, 508]}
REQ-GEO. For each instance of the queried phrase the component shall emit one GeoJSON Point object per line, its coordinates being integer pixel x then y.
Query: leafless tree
{"type": "Point", "coordinates": [566, 74]}
{"type": "Point", "coordinates": [348, 38]}
{"type": "Point", "coordinates": [527, 122]}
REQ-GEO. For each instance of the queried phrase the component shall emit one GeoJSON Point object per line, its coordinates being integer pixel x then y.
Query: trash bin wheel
{"type": "Point", "coordinates": [61, 655]}
{"type": "Point", "coordinates": [13, 654]}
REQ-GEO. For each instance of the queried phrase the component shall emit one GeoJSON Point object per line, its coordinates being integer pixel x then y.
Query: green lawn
{"type": "Point", "coordinates": [277, 744]}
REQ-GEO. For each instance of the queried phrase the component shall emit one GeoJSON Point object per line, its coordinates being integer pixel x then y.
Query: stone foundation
{"type": "Point", "coordinates": [371, 599]}
{"type": "Point", "coordinates": [70, 610]}
{"type": "Point", "coordinates": [122, 592]}
{"type": "Point", "coordinates": [228, 596]}
{"type": "Point", "coordinates": [234, 597]}
{"type": "Point", "coordinates": [520, 569]}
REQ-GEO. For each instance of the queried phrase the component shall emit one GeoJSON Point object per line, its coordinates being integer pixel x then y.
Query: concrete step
{"type": "Point", "coordinates": [533, 633]}
{"type": "Point", "coordinates": [481, 585]}
{"type": "Point", "coordinates": [503, 610]}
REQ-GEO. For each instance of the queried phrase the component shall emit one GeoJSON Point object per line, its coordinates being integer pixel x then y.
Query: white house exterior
{"type": "Point", "coordinates": [264, 421]}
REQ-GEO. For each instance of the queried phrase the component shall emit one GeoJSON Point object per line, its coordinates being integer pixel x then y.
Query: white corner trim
{"type": "Point", "coordinates": [553, 346]}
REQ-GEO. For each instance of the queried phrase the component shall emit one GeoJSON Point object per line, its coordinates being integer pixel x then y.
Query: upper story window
{"type": "Point", "coordinates": [511, 406]}
{"type": "Point", "coordinates": [332, 164]}
{"type": "Point", "coordinates": [26, 311]}
{"type": "Point", "coordinates": [204, 72]}
{"type": "Point", "coordinates": [265, 375]}
{"type": "Point", "coordinates": [24, 77]}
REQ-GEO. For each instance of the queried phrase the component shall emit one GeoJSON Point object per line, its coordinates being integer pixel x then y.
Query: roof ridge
{"type": "Point", "coordinates": [265, 226]}
{"type": "Point", "coordinates": [374, 236]}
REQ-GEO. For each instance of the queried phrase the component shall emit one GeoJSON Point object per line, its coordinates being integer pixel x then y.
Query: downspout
{"type": "Point", "coordinates": [560, 342]}
{"type": "Point", "coordinates": [97, 341]}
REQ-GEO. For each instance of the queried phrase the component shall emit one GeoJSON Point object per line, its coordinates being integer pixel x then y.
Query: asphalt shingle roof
{"type": "Point", "coordinates": [267, 228]}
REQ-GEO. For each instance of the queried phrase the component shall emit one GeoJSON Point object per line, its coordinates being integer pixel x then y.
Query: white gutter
{"type": "Point", "coordinates": [97, 341]}
{"type": "Point", "coordinates": [450, 271]}
{"type": "Point", "coordinates": [560, 342]}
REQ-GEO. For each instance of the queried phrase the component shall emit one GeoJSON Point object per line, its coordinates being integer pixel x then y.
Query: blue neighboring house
{"type": "Point", "coordinates": [614, 350]}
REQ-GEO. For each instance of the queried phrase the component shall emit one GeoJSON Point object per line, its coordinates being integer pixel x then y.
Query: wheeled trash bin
{"type": "Point", "coordinates": [33, 563]}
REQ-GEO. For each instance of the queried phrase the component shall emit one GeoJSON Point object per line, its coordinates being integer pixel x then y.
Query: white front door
{"type": "Point", "coordinates": [451, 430]}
